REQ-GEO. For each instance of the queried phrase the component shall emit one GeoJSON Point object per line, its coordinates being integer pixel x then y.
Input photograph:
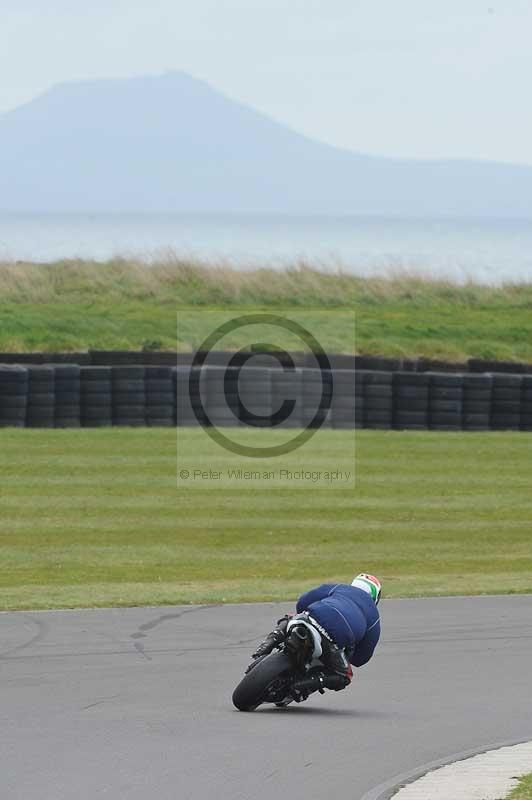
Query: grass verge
{"type": "Point", "coordinates": [523, 791]}
{"type": "Point", "coordinates": [94, 518]}
{"type": "Point", "coordinates": [121, 304]}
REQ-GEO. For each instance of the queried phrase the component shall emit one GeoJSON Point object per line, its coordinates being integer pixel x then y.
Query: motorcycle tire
{"type": "Point", "coordinates": [251, 690]}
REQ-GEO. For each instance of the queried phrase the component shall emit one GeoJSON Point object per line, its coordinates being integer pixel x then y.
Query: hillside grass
{"type": "Point", "coordinates": [128, 304]}
{"type": "Point", "coordinates": [95, 518]}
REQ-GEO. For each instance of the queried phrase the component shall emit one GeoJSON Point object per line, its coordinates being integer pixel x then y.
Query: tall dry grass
{"type": "Point", "coordinates": [195, 282]}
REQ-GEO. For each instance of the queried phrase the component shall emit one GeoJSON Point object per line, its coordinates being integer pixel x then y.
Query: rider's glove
{"type": "Point", "coordinates": [264, 648]}
{"type": "Point", "coordinates": [274, 639]}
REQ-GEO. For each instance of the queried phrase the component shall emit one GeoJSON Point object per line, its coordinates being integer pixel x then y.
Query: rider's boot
{"type": "Point", "coordinates": [319, 681]}
{"type": "Point", "coordinates": [302, 687]}
{"type": "Point", "coordinates": [338, 670]}
{"type": "Point", "coordinates": [336, 675]}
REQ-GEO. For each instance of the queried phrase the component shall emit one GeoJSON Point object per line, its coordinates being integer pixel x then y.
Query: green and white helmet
{"type": "Point", "coordinates": [369, 584]}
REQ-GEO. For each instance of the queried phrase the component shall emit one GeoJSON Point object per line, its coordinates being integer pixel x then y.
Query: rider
{"type": "Point", "coordinates": [348, 621]}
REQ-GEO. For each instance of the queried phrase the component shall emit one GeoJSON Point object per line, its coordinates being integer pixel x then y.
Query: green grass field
{"type": "Point", "coordinates": [94, 518]}
{"type": "Point", "coordinates": [77, 305]}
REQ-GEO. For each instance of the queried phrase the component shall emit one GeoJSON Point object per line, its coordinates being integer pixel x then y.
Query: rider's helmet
{"type": "Point", "coordinates": [369, 584]}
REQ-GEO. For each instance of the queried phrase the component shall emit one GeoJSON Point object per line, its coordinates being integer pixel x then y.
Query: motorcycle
{"type": "Point", "coordinates": [271, 678]}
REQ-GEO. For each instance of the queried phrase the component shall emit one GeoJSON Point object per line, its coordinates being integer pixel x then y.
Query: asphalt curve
{"type": "Point", "coordinates": [136, 703]}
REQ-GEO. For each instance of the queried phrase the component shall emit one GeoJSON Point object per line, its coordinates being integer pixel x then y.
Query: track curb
{"type": "Point", "coordinates": [387, 789]}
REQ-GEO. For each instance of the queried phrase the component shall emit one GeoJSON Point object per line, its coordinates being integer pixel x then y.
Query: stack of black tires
{"type": "Point", "coordinates": [40, 411]}
{"type": "Point", "coordinates": [221, 401]}
{"type": "Point", "coordinates": [255, 396]}
{"type": "Point", "coordinates": [160, 397]}
{"type": "Point", "coordinates": [378, 398]}
{"type": "Point", "coordinates": [96, 397]}
{"type": "Point", "coordinates": [445, 402]}
{"type": "Point", "coordinates": [476, 402]}
{"type": "Point", "coordinates": [506, 403]}
{"type": "Point", "coordinates": [526, 403]}
{"type": "Point", "coordinates": [13, 396]}
{"type": "Point", "coordinates": [129, 396]}
{"type": "Point", "coordinates": [287, 397]}
{"type": "Point", "coordinates": [347, 407]}
{"type": "Point", "coordinates": [411, 400]}
{"type": "Point", "coordinates": [67, 412]}
{"type": "Point", "coordinates": [317, 398]}
{"type": "Point", "coordinates": [190, 396]}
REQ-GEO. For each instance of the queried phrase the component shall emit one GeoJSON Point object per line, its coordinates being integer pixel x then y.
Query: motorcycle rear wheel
{"type": "Point", "coordinates": [253, 688]}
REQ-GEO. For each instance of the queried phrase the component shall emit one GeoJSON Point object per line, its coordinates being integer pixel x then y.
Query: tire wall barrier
{"type": "Point", "coordinates": [162, 358]}
{"type": "Point", "coordinates": [71, 395]}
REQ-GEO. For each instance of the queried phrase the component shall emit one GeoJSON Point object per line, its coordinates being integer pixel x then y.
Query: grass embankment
{"type": "Point", "coordinates": [77, 305]}
{"type": "Point", "coordinates": [93, 518]}
{"type": "Point", "coordinates": [523, 791]}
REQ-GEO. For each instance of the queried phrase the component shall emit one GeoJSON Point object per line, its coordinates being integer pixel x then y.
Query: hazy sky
{"type": "Point", "coordinates": [396, 77]}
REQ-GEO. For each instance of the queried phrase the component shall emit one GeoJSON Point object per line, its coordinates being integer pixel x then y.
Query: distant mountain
{"type": "Point", "coordinates": [172, 143]}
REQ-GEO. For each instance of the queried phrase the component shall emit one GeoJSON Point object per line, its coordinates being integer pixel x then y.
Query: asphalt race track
{"type": "Point", "coordinates": [136, 703]}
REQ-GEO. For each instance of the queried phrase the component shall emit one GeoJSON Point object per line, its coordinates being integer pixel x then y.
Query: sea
{"type": "Point", "coordinates": [486, 251]}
